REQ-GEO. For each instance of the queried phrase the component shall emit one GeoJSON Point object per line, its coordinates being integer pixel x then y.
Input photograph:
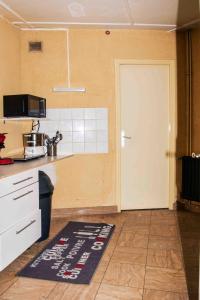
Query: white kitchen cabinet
{"type": "Point", "coordinates": [20, 217]}
{"type": "Point", "coordinates": [13, 183]}
{"type": "Point", "coordinates": [19, 237]}
{"type": "Point", "coordinates": [17, 205]}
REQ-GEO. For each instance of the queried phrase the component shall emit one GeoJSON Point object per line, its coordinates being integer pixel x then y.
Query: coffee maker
{"type": "Point", "coordinates": [4, 160]}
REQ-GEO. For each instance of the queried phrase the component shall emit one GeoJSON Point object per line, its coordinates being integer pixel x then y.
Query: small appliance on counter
{"type": "Point", "coordinates": [5, 160]}
{"type": "Point", "coordinates": [34, 143]}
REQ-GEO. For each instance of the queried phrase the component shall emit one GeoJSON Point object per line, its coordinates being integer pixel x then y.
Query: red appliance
{"type": "Point", "coordinates": [5, 160]}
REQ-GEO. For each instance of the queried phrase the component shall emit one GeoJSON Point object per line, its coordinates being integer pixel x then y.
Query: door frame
{"type": "Point", "coordinates": [172, 125]}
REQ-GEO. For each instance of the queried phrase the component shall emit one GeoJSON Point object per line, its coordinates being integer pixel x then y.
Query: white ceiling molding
{"type": "Point", "coordinates": [78, 24]}
{"type": "Point", "coordinates": [43, 29]}
{"type": "Point", "coordinates": [68, 88]}
{"type": "Point", "coordinates": [185, 25]}
{"type": "Point", "coordinates": [10, 10]}
{"type": "Point", "coordinates": [153, 25]}
{"type": "Point", "coordinates": [7, 21]}
{"type": "Point", "coordinates": [72, 23]}
{"type": "Point", "coordinates": [136, 14]}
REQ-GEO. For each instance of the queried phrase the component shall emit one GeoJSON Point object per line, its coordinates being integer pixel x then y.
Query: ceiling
{"type": "Point", "coordinates": [60, 14]}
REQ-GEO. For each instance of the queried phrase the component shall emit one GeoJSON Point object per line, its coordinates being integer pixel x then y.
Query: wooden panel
{"type": "Point", "coordinates": [62, 212]}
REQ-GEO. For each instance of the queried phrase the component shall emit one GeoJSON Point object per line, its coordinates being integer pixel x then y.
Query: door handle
{"type": "Point", "coordinates": [127, 137]}
{"type": "Point", "coordinates": [21, 196]}
{"type": "Point", "coordinates": [28, 225]}
{"type": "Point", "coordinates": [15, 183]}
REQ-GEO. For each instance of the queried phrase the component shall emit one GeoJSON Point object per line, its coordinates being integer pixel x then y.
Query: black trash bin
{"type": "Point", "coordinates": [45, 198]}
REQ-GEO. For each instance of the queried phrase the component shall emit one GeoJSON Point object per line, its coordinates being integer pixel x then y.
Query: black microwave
{"type": "Point", "coordinates": [24, 105]}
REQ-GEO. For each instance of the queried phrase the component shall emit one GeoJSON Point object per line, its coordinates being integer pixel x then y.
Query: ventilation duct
{"type": "Point", "coordinates": [35, 46]}
{"type": "Point", "coordinates": [68, 88]}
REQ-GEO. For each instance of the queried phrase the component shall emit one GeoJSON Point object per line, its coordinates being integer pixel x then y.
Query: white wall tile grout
{"type": "Point", "coordinates": [85, 130]}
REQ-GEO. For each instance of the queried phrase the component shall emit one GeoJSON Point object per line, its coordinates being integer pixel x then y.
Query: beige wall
{"type": "Point", "coordinates": [87, 180]}
{"type": "Point", "coordinates": [83, 180]}
{"type": "Point", "coordinates": [10, 82]}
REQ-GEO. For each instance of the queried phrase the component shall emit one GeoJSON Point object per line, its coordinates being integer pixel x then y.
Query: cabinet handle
{"type": "Point", "coordinates": [19, 231]}
{"type": "Point", "coordinates": [16, 198]}
{"type": "Point", "coordinates": [22, 180]}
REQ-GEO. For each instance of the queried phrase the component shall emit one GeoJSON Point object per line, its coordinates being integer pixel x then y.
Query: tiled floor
{"type": "Point", "coordinates": [142, 261]}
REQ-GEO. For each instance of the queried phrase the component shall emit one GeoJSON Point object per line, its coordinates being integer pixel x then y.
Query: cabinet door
{"type": "Point", "coordinates": [17, 239]}
{"type": "Point", "coordinates": [17, 205]}
{"type": "Point", "coordinates": [13, 183]}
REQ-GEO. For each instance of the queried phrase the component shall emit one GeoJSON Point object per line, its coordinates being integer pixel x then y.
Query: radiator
{"type": "Point", "coordinates": [190, 178]}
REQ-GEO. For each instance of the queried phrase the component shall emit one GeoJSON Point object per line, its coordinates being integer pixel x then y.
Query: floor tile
{"type": "Point", "coordinates": [132, 240]}
{"type": "Point", "coordinates": [100, 272]}
{"type": "Point", "coordinates": [109, 292]}
{"type": "Point", "coordinates": [110, 218]}
{"type": "Point", "coordinates": [171, 259]}
{"type": "Point", "coordinates": [6, 280]}
{"type": "Point", "coordinates": [108, 253]}
{"type": "Point", "coordinates": [159, 242]}
{"type": "Point", "coordinates": [140, 229]}
{"type": "Point", "coordinates": [139, 220]}
{"type": "Point", "coordinates": [160, 295]}
{"type": "Point", "coordinates": [31, 289]}
{"type": "Point", "coordinates": [19, 263]}
{"type": "Point", "coordinates": [58, 291]}
{"type": "Point", "coordinates": [113, 219]}
{"type": "Point", "coordinates": [164, 230]}
{"type": "Point", "coordinates": [121, 271]}
{"type": "Point", "coordinates": [130, 213]}
{"type": "Point", "coordinates": [125, 275]}
{"type": "Point", "coordinates": [37, 247]}
{"type": "Point", "coordinates": [163, 212]}
{"type": "Point", "coordinates": [165, 280]}
{"type": "Point", "coordinates": [167, 220]}
{"type": "Point", "coordinates": [74, 292]}
{"type": "Point", "coordinates": [130, 255]}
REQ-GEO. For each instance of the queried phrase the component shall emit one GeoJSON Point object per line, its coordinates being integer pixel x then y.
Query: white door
{"type": "Point", "coordinates": [144, 95]}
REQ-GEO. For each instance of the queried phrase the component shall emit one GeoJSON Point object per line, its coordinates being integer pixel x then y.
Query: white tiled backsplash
{"type": "Point", "coordinates": [85, 130]}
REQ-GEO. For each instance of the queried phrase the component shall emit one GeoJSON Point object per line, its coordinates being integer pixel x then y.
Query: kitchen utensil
{"type": "Point", "coordinates": [52, 150]}
{"type": "Point", "coordinates": [52, 143]}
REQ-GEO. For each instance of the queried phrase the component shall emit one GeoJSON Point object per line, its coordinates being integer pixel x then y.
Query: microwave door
{"type": "Point", "coordinates": [23, 107]}
{"type": "Point", "coordinates": [14, 106]}
{"type": "Point", "coordinates": [33, 107]}
{"type": "Point", "coordinates": [42, 108]}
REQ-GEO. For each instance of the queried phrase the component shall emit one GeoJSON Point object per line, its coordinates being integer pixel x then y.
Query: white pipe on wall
{"type": "Point", "coordinates": [68, 88]}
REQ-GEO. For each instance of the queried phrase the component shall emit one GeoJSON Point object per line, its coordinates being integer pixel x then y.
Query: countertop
{"type": "Point", "coordinates": [17, 167]}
